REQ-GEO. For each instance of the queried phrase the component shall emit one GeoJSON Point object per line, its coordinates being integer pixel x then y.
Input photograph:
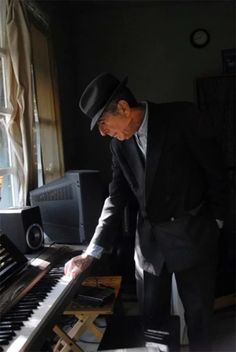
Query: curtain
{"type": "Point", "coordinates": [21, 122]}
{"type": "Point", "coordinates": [47, 106]}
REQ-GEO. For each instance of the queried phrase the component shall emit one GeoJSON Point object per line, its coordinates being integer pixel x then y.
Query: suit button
{"type": "Point", "coordinates": [172, 218]}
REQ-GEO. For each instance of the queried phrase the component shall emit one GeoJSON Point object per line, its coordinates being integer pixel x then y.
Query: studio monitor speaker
{"type": "Point", "coordinates": [23, 226]}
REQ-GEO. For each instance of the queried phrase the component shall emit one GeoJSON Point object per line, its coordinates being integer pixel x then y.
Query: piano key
{"type": "Point", "coordinates": [31, 306]}
{"type": "Point", "coordinates": [15, 325]}
{"type": "Point", "coordinates": [46, 301]}
{"type": "Point", "coordinates": [17, 320]}
{"type": "Point", "coordinates": [25, 302]}
{"type": "Point", "coordinates": [29, 299]}
{"type": "Point", "coordinates": [3, 342]}
{"type": "Point", "coordinates": [39, 316]}
{"type": "Point", "coordinates": [15, 315]}
{"type": "Point", "coordinates": [6, 327]}
{"type": "Point", "coordinates": [19, 312]}
{"type": "Point", "coordinates": [7, 335]}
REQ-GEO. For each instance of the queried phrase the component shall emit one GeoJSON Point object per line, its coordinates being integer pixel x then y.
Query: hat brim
{"type": "Point", "coordinates": [100, 112]}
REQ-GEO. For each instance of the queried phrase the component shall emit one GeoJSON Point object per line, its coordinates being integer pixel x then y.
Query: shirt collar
{"type": "Point", "coordinates": [143, 128]}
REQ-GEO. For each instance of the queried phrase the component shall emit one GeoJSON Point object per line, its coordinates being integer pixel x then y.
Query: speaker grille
{"type": "Point", "coordinates": [63, 193]}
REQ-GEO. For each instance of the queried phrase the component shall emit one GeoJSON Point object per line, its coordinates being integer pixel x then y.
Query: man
{"type": "Point", "coordinates": [165, 156]}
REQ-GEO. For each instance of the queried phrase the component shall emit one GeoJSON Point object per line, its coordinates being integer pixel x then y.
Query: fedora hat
{"type": "Point", "coordinates": [98, 95]}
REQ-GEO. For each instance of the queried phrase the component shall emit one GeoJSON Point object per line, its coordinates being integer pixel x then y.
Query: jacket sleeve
{"type": "Point", "coordinates": [109, 222]}
{"type": "Point", "coordinates": [200, 137]}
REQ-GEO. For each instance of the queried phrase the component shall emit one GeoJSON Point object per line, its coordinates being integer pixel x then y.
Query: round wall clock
{"type": "Point", "coordinates": [200, 38]}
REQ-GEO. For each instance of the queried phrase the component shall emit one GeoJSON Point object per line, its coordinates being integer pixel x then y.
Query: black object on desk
{"type": "Point", "coordinates": [95, 296]}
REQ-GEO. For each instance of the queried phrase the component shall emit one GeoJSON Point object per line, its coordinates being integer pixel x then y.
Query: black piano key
{"type": "Point", "coordinates": [4, 341]}
{"type": "Point", "coordinates": [16, 325]}
{"type": "Point", "coordinates": [21, 310]}
{"type": "Point", "coordinates": [7, 334]}
{"type": "Point", "coordinates": [17, 319]}
{"type": "Point", "coordinates": [8, 322]}
{"type": "Point", "coordinates": [25, 303]}
{"type": "Point", "coordinates": [37, 295]}
{"type": "Point", "coordinates": [38, 292]}
{"type": "Point", "coordinates": [6, 328]}
{"type": "Point", "coordinates": [30, 299]}
{"type": "Point", "coordinates": [40, 298]}
{"type": "Point", "coordinates": [44, 289]}
{"type": "Point", "coordinates": [16, 311]}
{"type": "Point", "coordinates": [15, 314]}
{"type": "Point", "coordinates": [29, 305]}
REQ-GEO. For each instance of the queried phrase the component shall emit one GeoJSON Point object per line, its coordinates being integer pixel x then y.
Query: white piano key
{"type": "Point", "coordinates": [39, 316]}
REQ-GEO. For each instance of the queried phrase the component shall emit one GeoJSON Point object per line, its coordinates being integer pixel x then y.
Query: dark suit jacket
{"type": "Point", "coordinates": [183, 173]}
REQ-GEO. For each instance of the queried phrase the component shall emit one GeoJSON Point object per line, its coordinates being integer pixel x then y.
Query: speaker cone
{"type": "Point", "coordinates": [34, 236]}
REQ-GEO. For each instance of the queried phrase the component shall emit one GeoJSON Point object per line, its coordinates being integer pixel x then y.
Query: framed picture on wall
{"type": "Point", "coordinates": [229, 60]}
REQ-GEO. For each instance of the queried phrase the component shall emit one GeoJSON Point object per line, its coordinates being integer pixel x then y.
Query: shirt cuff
{"type": "Point", "coordinates": [94, 250]}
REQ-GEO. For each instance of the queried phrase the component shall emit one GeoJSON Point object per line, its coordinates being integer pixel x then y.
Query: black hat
{"type": "Point", "coordinates": [98, 94]}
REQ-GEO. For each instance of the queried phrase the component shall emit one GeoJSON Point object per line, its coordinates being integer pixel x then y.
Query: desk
{"type": "Point", "coordinates": [85, 315]}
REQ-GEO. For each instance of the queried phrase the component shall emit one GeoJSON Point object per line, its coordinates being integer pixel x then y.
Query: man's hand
{"type": "Point", "coordinates": [78, 264]}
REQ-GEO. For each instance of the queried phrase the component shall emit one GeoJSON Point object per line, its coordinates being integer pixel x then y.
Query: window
{"type": "Point", "coordinates": [30, 131]}
{"type": "Point", "coordinates": [7, 196]}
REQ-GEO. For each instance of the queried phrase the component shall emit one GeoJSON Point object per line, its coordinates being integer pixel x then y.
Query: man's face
{"type": "Point", "coordinates": [117, 124]}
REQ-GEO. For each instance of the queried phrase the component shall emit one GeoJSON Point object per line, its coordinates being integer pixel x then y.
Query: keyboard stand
{"type": "Point", "coordinates": [86, 315]}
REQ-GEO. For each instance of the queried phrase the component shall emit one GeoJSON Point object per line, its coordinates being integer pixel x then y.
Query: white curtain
{"type": "Point", "coordinates": [21, 123]}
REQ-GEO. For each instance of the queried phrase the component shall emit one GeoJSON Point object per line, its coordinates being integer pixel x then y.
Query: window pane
{"type": "Point", "coordinates": [4, 150]}
{"type": "Point", "coordinates": [2, 22]}
{"type": "Point", "coordinates": [2, 92]}
{"type": "Point", "coordinates": [5, 179]}
{"type": "Point", "coordinates": [5, 192]}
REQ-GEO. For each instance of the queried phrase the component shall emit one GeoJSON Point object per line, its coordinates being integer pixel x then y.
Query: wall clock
{"type": "Point", "coordinates": [199, 38]}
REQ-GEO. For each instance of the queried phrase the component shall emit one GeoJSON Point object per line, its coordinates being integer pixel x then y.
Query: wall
{"type": "Point", "coordinates": [149, 42]}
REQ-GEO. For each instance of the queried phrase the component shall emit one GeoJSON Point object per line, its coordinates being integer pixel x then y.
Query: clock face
{"type": "Point", "coordinates": [199, 38]}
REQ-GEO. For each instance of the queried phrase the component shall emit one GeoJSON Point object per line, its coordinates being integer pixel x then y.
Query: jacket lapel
{"type": "Point", "coordinates": [135, 161]}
